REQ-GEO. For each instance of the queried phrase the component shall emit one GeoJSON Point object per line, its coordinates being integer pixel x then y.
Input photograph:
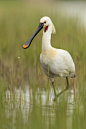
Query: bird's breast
{"type": "Point", "coordinates": [48, 55]}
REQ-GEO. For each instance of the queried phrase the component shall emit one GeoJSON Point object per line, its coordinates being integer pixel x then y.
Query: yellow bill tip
{"type": "Point", "coordinates": [25, 46]}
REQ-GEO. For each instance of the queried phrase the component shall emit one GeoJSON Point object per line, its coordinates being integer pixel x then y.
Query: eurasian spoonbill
{"type": "Point", "coordinates": [55, 62]}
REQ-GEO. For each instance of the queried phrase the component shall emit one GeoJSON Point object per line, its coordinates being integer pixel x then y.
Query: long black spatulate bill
{"type": "Point", "coordinates": [28, 42]}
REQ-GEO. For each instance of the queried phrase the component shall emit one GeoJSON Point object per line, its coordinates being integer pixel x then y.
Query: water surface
{"type": "Point", "coordinates": [26, 108]}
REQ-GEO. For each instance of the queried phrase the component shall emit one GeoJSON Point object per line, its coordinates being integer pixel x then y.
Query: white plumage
{"type": "Point", "coordinates": [58, 61]}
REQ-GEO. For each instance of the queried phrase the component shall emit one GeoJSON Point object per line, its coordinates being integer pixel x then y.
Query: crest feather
{"type": "Point", "coordinates": [53, 29]}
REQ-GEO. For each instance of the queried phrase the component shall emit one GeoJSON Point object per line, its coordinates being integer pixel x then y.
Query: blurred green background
{"type": "Point", "coordinates": [25, 94]}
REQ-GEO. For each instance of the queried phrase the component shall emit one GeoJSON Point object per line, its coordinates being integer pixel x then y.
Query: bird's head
{"type": "Point", "coordinates": [47, 24]}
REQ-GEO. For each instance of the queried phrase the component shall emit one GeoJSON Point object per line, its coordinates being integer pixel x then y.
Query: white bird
{"type": "Point", "coordinates": [55, 62]}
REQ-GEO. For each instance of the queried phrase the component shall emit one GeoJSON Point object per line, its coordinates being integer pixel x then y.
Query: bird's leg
{"type": "Point", "coordinates": [67, 87]}
{"type": "Point", "coordinates": [54, 89]}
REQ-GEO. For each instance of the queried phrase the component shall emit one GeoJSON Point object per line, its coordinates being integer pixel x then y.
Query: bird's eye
{"type": "Point", "coordinates": [45, 22]}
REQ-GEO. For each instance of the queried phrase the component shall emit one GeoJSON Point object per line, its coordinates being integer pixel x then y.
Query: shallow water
{"type": "Point", "coordinates": [28, 108]}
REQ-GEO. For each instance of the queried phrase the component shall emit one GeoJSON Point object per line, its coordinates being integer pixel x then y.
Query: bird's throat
{"type": "Point", "coordinates": [45, 28]}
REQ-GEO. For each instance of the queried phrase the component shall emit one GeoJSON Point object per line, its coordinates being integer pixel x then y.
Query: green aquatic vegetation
{"type": "Point", "coordinates": [17, 24]}
{"type": "Point", "coordinates": [20, 68]}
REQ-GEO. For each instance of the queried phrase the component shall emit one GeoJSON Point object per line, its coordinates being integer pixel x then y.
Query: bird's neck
{"type": "Point", "coordinates": [46, 40]}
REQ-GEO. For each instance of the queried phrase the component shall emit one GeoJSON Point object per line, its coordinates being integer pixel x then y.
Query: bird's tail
{"type": "Point", "coordinates": [72, 75]}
